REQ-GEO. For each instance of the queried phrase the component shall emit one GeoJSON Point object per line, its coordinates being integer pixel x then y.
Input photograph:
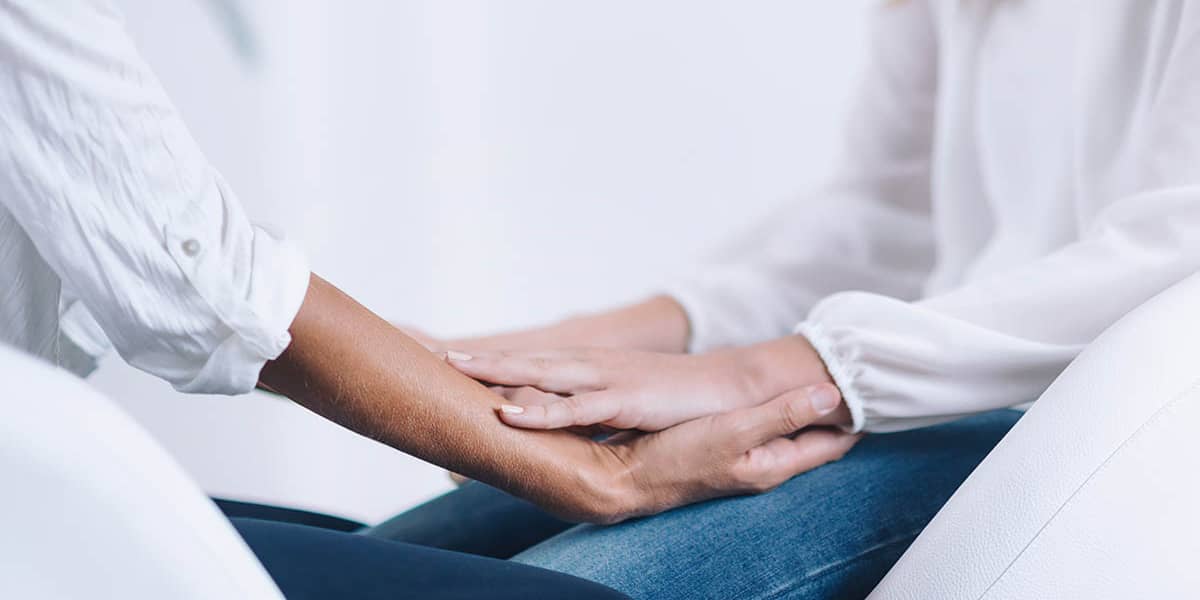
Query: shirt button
{"type": "Point", "coordinates": [190, 247]}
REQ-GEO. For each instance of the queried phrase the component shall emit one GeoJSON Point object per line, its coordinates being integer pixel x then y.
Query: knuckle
{"type": "Point", "coordinates": [746, 476]}
{"type": "Point", "coordinates": [572, 410]}
{"type": "Point", "coordinates": [743, 430]}
{"type": "Point", "coordinates": [793, 415]}
{"type": "Point", "coordinates": [573, 405]}
{"type": "Point", "coordinates": [540, 364]}
{"type": "Point", "coordinates": [626, 416]}
{"type": "Point", "coordinates": [759, 472]}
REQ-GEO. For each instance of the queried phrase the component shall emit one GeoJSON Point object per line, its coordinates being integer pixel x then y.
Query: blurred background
{"type": "Point", "coordinates": [468, 166]}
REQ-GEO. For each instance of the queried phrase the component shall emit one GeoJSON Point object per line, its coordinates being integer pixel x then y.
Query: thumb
{"type": "Point", "coordinates": [783, 415]}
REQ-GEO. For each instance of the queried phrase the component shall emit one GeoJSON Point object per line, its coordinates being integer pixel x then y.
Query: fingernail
{"type": "Point", "coordinates": [824, 398]}
{"type": "Point", "coordinates": [453, 355]}
{"type": "Point", "coordinates": [511, 409]}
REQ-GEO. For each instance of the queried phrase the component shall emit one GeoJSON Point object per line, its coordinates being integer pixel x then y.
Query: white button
{"type": "Point", "coordinates": [190, 247]}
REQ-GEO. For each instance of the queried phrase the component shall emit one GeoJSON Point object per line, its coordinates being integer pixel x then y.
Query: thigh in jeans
{"type": "Point", "coordinates": [830, 533]}
{"type": "Point", "coordinates": [476, 519]}
{"type": "Point", "coordinates": [314, 563]}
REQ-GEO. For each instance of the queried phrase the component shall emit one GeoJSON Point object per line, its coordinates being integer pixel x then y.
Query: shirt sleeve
{"type": "Point", "coordinates": [100, 171]}
{"type": "Point", "coordinates": [869, 228]}
{"type": "Point", "coordinates": [1001, 340]}
{"type": "Point", "coordinates": [81, 341]}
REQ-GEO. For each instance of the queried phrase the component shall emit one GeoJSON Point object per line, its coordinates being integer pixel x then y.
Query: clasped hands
{"type": "Point", "coordinates": [689, 427]}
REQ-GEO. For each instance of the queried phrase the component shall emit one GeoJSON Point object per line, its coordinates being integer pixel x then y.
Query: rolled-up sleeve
{"type": "Point", "coordinates": [100, 171]}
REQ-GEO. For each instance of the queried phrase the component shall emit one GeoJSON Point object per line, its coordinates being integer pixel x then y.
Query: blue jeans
{"type": "Point", "coordinates": [314, 563]}
{"type": "Point", "coordinates": [830, 533]}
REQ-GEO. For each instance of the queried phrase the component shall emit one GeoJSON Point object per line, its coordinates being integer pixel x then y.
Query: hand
{"type": "Point", "coordinates": [740, 452]}
{"type": "Point", "coordinates": [648, 391]}
{"type": "Point", "coordinates": [658, 323]}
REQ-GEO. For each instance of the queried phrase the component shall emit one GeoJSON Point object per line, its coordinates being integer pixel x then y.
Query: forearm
{"type": "Point", "coordinates": [354, 368]}
{"type": "Point", "coordinates": [657, 324]}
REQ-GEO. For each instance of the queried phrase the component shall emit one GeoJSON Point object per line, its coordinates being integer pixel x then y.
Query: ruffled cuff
{"type": "Point", "coordinates": [902, 365]}
{"type": "Point", "coordinates": [842, 367]}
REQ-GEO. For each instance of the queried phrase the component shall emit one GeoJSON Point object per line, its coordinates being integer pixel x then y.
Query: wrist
{"type": "Point", "coordinates": [777, 366]}
{"type": "Point", "coordinates": [611, 484]}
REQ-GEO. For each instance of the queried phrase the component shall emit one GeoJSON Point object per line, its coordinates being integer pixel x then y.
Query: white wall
{"type": "Point", "coordinates": [469, 166]}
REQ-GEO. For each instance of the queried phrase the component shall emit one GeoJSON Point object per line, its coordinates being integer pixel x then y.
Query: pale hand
{"type": "Point", "coordinates": [629, 389]}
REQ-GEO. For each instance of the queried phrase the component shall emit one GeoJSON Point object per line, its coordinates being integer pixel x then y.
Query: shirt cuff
{"type": "Point", "coordinates": [258, 324]}
{"type": "Point", "coordinates": [81, 342]}
{"type": "Point", "coordinates": [840, 367]}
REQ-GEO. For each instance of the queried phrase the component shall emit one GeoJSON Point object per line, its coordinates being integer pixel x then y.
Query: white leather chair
{"type": "Point", "coordinates": [1095, 493]}
{"type": "Point", "coordinates": [91, 507]}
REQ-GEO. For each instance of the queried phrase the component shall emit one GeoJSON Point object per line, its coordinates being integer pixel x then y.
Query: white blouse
{"type": "Point", "coordinates": [1015, 177]}
{"type": "Point", "coordinates": [106, 201]}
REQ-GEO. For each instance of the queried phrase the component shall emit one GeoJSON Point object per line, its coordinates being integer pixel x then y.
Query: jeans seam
{"type": "Point", "coordinates": [840, 565]}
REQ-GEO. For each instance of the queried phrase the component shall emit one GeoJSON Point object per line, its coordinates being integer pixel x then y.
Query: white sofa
{"type": "Point", "coordinates": [91, 507]}
{"type": "Point", "coordinates": [1095, 493]}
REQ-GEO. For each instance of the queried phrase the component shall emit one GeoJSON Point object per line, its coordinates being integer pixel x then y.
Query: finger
{"type": "Point", "coordinates": [782, 458]}
{"type": "Point", "coordinates": [782, 415]}
{"type": "Point", "coordinates": [547, 372]}
{"type": "Point", "coordinates": [527, 396]}
{"type": "Point", "coordinates": [572, 411]}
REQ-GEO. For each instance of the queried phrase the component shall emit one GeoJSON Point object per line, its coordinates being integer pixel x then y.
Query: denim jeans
{"type": "Point", "coordinates": [830, 533]}
{"type": "Point", "coordinates": [314, 563]}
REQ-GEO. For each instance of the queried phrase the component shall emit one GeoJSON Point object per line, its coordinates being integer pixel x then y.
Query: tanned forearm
{"type": "Point", "coordinates": [352, 367]}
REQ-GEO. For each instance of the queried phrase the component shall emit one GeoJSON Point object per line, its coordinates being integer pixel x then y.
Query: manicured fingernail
{"type": "Point", "coordinates": [824, 398]}
{"type": "Point", "coordinates": [511, 409]}
{"type": "Point", "coordinates": [453, 355]}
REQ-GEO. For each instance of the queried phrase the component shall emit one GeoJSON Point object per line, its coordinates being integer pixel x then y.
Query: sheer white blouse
{"type": "Point", "coordinates": [1015, 176]}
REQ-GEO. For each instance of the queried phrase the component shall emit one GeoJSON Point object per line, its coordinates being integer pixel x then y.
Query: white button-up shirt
{"type": "Point", "coordinates": [107, 202]}
{"type": "Point", "coordinates": [1016, 176]}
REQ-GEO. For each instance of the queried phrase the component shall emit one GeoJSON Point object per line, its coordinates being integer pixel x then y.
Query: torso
{"type": "Point", "coordinates": [1039, 115]}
